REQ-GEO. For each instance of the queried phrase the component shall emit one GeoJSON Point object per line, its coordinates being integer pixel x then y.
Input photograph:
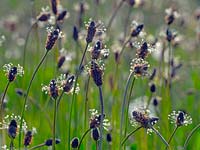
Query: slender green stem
{"type": "Point", "coordinates": [25, 45]}
{"type": "Point", "coordinates": [59, 99]}
{"type": "Point", "coordinates": [172, 135]}
{"type": "Point", "coordinates": [4, 94]}
{"type": "Point", "coordinates": [96, 145]}
{"type": "Point", "coordinates": [161, 137]}
{"type": "Point", "coordinates": [83, 138]}
{"type": "Point", "coordinates": [190, 135]}
{"type": "Point", "coordinates": [169, 64]}
{"type": "Point", "coordinates": [130, 134]}
{"type": "Point", "coordinates": [129, 98]}
{"type": "Point", "coordinates": [11, 144]}
{"type": "Point", "coordinates": [102, 116]}
{"type": "Point", "coordinates": [124, 45]}
{"type": "Point", "coordinates": [26, 96]}
{"type": "Point", "coordinates": [54, 125]}
{"type": "Point", "coordinates": [123, 106]}
{"type": "Point", "coordinates": [114, 14]}
{"type": "Point", "coordinates": [127, 21]}
{"type": "Point", "coordinates": [73, 95]}
{"type": "Point", "coordinates": [37, 146]}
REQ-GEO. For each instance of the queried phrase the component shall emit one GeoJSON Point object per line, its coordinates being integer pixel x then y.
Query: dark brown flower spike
{"type": "Point", "coordinates": [75, 33]}
{"type": "Point", "coordinates": [44, 16]}
{"type": "Point", "coordinates": [53, 89]}
{"type": "Point", "coordinates": [96, 73]}
{"type": "Point", "coordinates": [12, 129]}
{"type": "Point", "coordinates": [143, 52]}
{"type": "Point", "coordinates": [28, 138]}
{"type": "Point", "coordinates": [75, 142]}
{"type": "Point", "coordinates": [62, 15]}
{"type": "Point", "coordinates": [91, 32]}
{"type": "Point", "coordinates": [136, 31]}
{"type": "Point", "coordinates": [95, 134]}
{"type": "Point", "coordinates": [12, 74]}
{"type": "Point", "coordinates": [61, 61]}
{"type": "Point", "coordinates": [49, 142]}
{"type": "Point", "coordinates": [54, 4]}
{"type": "Point", "coordinates": [96, 50]}
{"type": "Point", "coordinates": [69, 84]}
{"type": "Point", "coordinates": [52, 38]}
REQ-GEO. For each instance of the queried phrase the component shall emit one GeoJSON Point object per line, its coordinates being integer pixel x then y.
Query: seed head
{"type": "Point", "coordinates": [91, 32]}
{"type": "Point", "coordinates": [28, 138]}
{"type": "Point", "coordinates": [75, 142]}
{"type": "Point", "coordinates": [96, 73]}
{"type": "Point", "coordinates": [49, 142]}
{"type": "Point", "coordinates": [95, 134]}
{"type": "Point", "coordinates": [136, 30]}
{"type": "Point", "coordinates": [62, 15]}
{"type": "Point", "coordinates": [43, 16]}
{"type": "Point", "coordinates": [12, 129]}
{"type": "Point", "coordinates": [139, 67]}
{"type": "Point", "coordinates": [52, 38]}
{"type": "Point", "coordinates": [180, 118]}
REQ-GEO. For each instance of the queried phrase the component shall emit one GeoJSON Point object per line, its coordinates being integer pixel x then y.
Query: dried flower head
{"type": "Point", "coordinates": [95, 120]}
{"type": "Point", "coordinates": [75, 142]}
{"type": "Point", "coordinates": [94, 28]}
{"type": "Point", "coordinates": [96, 73]}
{"type": "Point", "coordinates": [49, 142]}
{"type": "Point", "coordinates": [12, 129]}
{"type": "Point", "coordinates": [136, 28]}
{"type": "Point", "coordinates": [52, 89]}
{"type": "Point", "coordinates": [43, 16]}
{"type": "Point", "coordinates": [28, 138]}
{"type": "Point", "coordinates": [171, 15]}
{"type": "Point", "coordinates": [13, 71]}
{"type": "Point", "coordinates": [180, 118]}
{"type": "Point", "coordinates": [139, 67]}
{"type": "Point", "coordinates": [98, 50]}
{"type": "Point", "coordinates": [53, 35]}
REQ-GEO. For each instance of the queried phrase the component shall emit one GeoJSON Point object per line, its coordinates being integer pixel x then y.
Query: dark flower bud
{"type": "Point", "coordinates": [169, 35]}
{"type": "Point", "coordinates": [62, 15]}
{"type": "Point", "coordinates": [43, 16]}
{"type": "Point", "coordinates": [75, 142]}
{"type": "Point", "coordinates": [53, 89]}
{"type": "Point", "coordinates": [142, 52]}
{"type": "Point", "coordinates": [12, 74]}
{"type": "Point", "coordinates": [12, 129]}
{"type": "Point", "coordinates": [180, 119]}
{"type": "Point", "coordinates": [69, 84]}
{"type": "Point", "coordinates": [137, 30]}
{"type": "Point", "coordinates": [49, 142]}
{"type": "Point", "coordinates": [91, 32]}
{"type": "Point", "coordinates": [96, 51]}
{"type": "Point", "coordinates": [51, 39]}
{"type": "Point", "coordinates": [75, 33]}
{"type": "Point", "coordinates": [19, 92]}
{"type": "Point", "coordinates": [155, 102]}
{"type": "Point", "coordinates": [54, 4]}
{"type": "Point", "coordinates": [153, 88]}
{"type": "Point", "coordinates": [96, 73]}
{"type": "Point", "coordinates": [61, 61]}
{"type": "Point", "coordinates": [169, 19]}
{"type": "Point", "coordinates": [95, 134]}
{"type": "Point", "coordinates": [109, 137]}
{"type": "Point", "coordinates": [28, 138]}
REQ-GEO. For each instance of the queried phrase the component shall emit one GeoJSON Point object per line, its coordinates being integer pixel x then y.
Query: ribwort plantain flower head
{"type": "Point", "coordinates": [54, 5]}
{"type": "Point", "coordinates": [28, 138]}
{"type": "Point", "coordinates": [75, 142]}
{"type": "Point", "coordinates": [171, 15]}
{"type": "Point", "coordinates": [43, 16]}
{"type": "Point", "coordinates": [94, 28]}
{"type": "Point", "coordinates": [13, 71]}
{"type": "Point", "coordinates": [95, 134]}
{"type": "Point", "coordinates": [139, 67]}
{"type": "Point", "coordinates": [136, 28]}
{"type": "Point", "coordinates": [52, 89]}
{"type": "Point", "coordinates": [180, 118]}
{"type": "Point", "coordinates": [49, 142]}
{"type": "Point", "coordinates": [98, 50]}
{"type": "Point", "coordinates": [143, 51]}
{"type": "Point", "coordinates": [53, 35]}
{"type": "Point", "coordinates": [12, 129]}
{"type": "Point", "coordinates": [96, 73]}
{"type": "Point", "coordinates": [95, 120]}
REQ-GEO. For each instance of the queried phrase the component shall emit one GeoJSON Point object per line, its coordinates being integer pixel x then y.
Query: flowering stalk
{"type": "Point", "coordinates": [190, 135]}
{"type": "Point", "coordinates": [114, 14]}
{"type": "Point", "coordinates": [131, 133]}
{"type": "Point", "coordinates": [83, 137]}
{"type": "Point", "coordinates": [172, 135]}
{"type": "Point", "coordinates": [4, 94]}
{"type": "Point", "coordinates": [37, 146]}
{"type": "Point", "coordinates": [26, 96]}
{"type": "Point", "coordinates": [161, 137]}
{"type": "Point", "coordinates": [102, 115]}
{"type": "Point", "coordinates": [123, 105]}
{"type": "Point", "coordinates": [54, 125]}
